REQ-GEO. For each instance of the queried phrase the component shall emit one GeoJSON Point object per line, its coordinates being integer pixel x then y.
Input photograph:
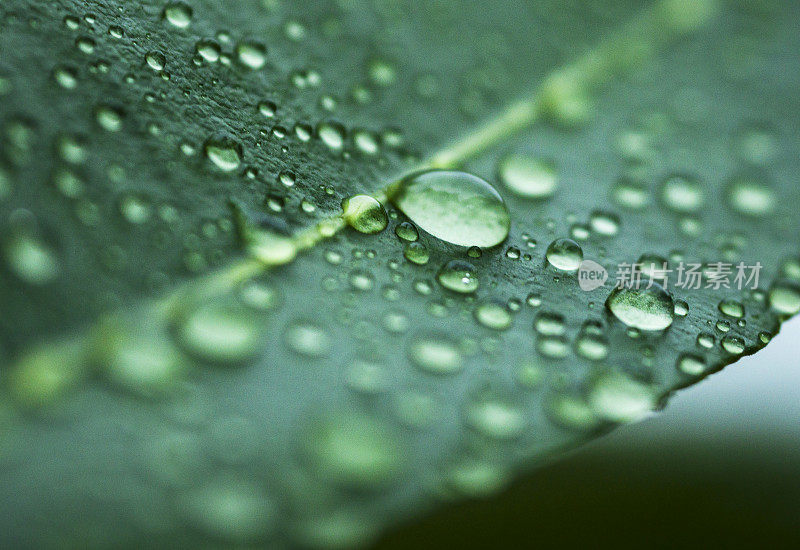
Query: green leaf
{"type": "Point", "coordinates": [232, 312]}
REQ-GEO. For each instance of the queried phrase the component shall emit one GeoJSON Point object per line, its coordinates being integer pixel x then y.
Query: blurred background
{"type": "Point", "coordinates": [718, 467]}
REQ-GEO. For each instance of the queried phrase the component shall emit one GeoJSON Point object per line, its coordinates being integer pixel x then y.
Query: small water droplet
{"type": "Point", "coordinates": [604, 223]}
{"type": "Point", "coordinates": [630, 194]}
{"type": "Point", "coordinates": [109, 118]}
{"type": "Point", "coordinates": [332, 134]}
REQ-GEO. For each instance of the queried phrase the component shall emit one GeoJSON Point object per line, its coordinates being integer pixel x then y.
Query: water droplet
{"type": "Point", "coordinates": [554, 347]}
{"type": "Point", "coordinates": [252, 55]}
{"type": "Point", "coordinates": [493, 316]}
{"type": "Point", "coordinates": [406, 231]}
{"type": "Point", "coordinates": [731, 308]}
{"type": "Point", "coordinates": [458, 276]}
{"type": "Point", "coordinates": [308, 339]}
{"type": "Point", "coordinates": [224, 153]}
{"type": "Point", "coordinates": [220, 332]}
{"type": "Point", "coordinates": [496, 418]}
{"type": "Point", "coordinates": [549, 323]}
{"type": "Point", "coordinates": [750, 197]}
{"type": "Point", "coordinates": [156, 61]}
{"type": "Point", "coordinates": [455, 207]}
{"type": "Point", "coordinates": [784, 297]}
{"type": "Point", "coordinates": [416, 253]}
{"type": "Point", "coordinates": [604, 223]}
{"type": "Point", "coordinates": [366, 142]}
{"type": "Point", "coordinates": [108, 118]}
{"type": "Point", "coordinates": [732, 344]}
{"type": "Point", "coordinates": [705, 340]}
{"type": "Point", "coordinates": [230, 508]}
{"type": "Point", "coordinates": [141, 362]}
{"type": "Point", "coordinates": [693, 365]}
{"type": "Point", "coordinates": [681, 308]}
{"type": "Point", "coordinates": [533, 299]}
{"type": "Point", "coordinates": [564, 254]}
{"type": "Point", "coordinates": [208, 50]}
{"type": "Point", "coordinates": [364, 214]}
{"type": "Point", "coordinates": [476, 478]}
{"type": "Point", "coordinates": [367, 377]}
{"type": "Point", "coordinates": [85, 44]}
{"type": "Point", "coordinates": [642, 308]}
{"type": "Point", "coordinates": [682, 194]}
{"type": "Point", "coordinates": [361, 280]}
{"type": "Point", "coordinates": [619, 399]}
{"type": "Point", "coordinates": [592, 343]}
{"type": "Point", "coordinates": [630, 194]}
{"type": "Point", "coordinates": [352, 451]}
{"type": "Point", "coordinates": [382, 72]}
{"type": "Point", "coordinates": [66, 77]}
{"type": "Point", "coordinates": [115, 31]}
{"type": "Point", "coordinates": [134, 209]}
{"type": "Point", "coordinates": [528, 177]}
{"type": "Point", "coordinates": [436, 356]}
{"type": "Point", "coordinates": [332, 134]}
{"type": "Point", "coordinates": [178, 14]}
{"type": "Point", "coordinates": [31, 259]}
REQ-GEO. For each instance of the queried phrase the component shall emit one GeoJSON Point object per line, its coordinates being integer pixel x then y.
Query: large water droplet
{"type": "Point", "coordinates": [642, 308]}
{"type": "Point", "coordinates": [455, 207]}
